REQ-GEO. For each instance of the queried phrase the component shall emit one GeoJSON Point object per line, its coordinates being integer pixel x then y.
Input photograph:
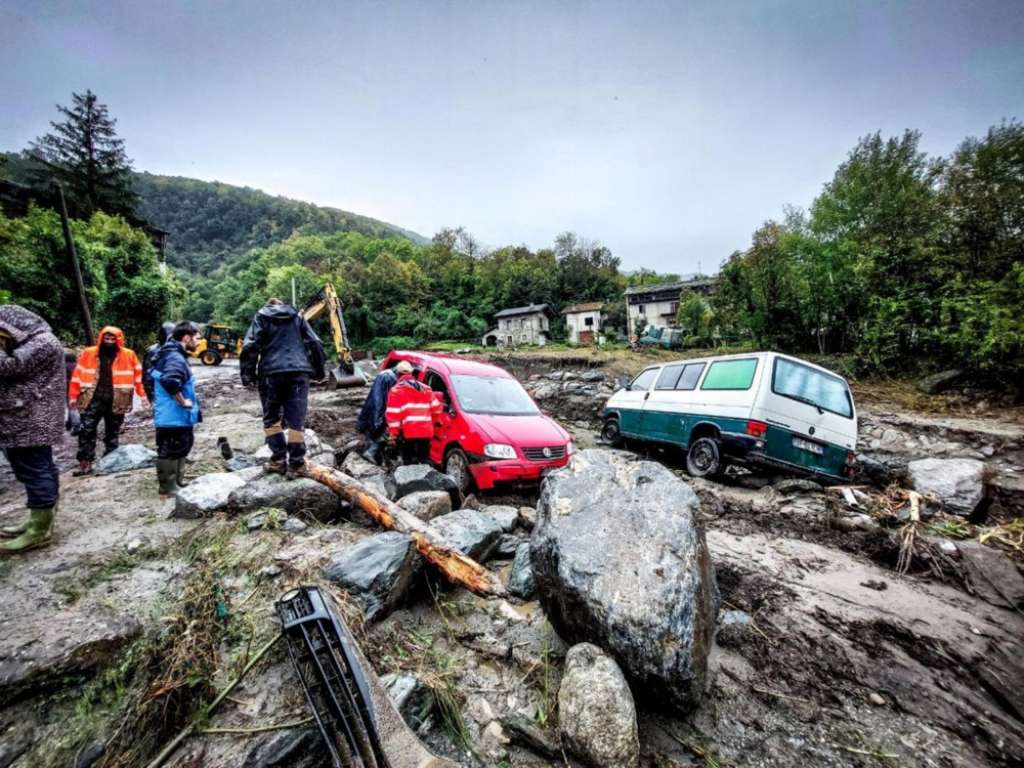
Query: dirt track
{"type": "Point", "coordinates": [824, 655]}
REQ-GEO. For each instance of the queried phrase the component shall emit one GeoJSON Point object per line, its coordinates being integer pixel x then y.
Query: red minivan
{"type": "Point", "coordinates": [493, 432]}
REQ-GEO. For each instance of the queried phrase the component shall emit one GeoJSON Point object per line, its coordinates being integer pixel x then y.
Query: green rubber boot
{"type": "Point", "coordinates": [10, 531]}
{"type": "Point", "coordinates": [38, 532]}
{"type": "Point", "coordinates": [167, 475]}
{"type": "Point", "coordinates": [179, 474]}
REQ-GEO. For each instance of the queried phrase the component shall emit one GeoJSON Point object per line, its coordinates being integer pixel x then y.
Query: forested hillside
{"type": "Point", "coordinates": [213, 223]}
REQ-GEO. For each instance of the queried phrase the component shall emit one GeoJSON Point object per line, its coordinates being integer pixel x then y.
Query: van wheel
{"type": "Point", "coordinates": [210, 357]}
{"type": "Point", "coordinates": [610, 433]}
{"type": "Point", "coordinates": [704, 458]}
{"type": "Point", "coordinates": [457, 466]}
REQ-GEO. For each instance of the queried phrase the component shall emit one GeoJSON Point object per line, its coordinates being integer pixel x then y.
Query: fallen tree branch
{"type": "Point", "coordinates": [430, 544]}
{"type": "Point", "coordinates": [260, 728]}
{"type": "Point", "coordinates": [527, 734]}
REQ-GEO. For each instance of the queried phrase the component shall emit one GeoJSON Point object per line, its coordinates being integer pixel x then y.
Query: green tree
{"type": "Point", "coordinates": [83, 153]}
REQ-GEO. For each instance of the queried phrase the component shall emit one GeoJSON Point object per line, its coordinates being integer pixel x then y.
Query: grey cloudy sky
{"type": "Point", "coordinates": [668, 131]}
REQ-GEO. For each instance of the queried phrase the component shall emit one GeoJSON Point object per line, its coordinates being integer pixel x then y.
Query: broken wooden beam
{"type": "Point", "coordinates": [431, 545]}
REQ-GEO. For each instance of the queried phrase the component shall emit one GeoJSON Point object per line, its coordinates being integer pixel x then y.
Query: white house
{"type": "Point", "coordinates": [583, 321]}
{"type": "Point", "coordinates": [658, 304]}
{"type": "Point", "coordinates": [520, 325]}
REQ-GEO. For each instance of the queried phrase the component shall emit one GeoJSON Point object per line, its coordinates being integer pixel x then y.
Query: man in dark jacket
{"type": "Point", "coordinates": [370, 422]}
{"type": "Point", "coordinates": [149, 358]}
{"type": "Point", "coordinates": [279, 355]}
{"type": "Point", "coordinates": [176, 407]}
{"type": "Point", "coordinates": [32, 397]}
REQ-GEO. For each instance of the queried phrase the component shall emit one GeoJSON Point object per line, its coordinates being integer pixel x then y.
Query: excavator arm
{"type": "Point", "coordinates": [326, 301]}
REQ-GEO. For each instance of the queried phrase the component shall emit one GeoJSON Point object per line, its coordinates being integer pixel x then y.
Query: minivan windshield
{"type": "Point", "coordinates": [492, 394]}
{"type": "Point", "coordinates": [811, 386]}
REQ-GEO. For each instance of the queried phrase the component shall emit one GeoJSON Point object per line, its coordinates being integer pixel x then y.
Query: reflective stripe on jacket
{"type": "Point", "coordinates": [410, 411]}
{"type": "Point", "coordinates": [125, 373]}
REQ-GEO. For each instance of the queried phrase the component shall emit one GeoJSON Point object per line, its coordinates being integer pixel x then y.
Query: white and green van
{"type": "Point", "coordinates": [761, 408]}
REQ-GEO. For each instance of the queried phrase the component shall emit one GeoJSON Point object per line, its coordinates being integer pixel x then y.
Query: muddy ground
{"type": "Point", "coordinates": [824, 655]}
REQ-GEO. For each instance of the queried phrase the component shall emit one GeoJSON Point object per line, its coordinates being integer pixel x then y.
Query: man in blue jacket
{"type": "Point", "coordinates": [279, 355]}
{"type": "Point", "coordinates": [176, 408]}
{"type": "Point", "coordinates": [371, 416]}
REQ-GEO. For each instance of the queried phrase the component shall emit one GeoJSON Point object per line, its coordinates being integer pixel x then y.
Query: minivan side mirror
{"type": "Point", "coordinates": [625, 383]}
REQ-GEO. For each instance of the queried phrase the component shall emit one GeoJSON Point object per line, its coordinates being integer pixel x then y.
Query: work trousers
{"type": "Point", "coordinates": [174, 442]}
{"type": "Point", "coordinates": [415, 450]}
{"type": "Point", "coordinates": [98, 410]}
{"type": "Point", "coordinates": [284, 397]}
{"type": "Point", "coordinates": [34, 468]}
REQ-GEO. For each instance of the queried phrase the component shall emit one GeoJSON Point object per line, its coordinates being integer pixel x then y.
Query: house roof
{"type": "Point", "coordinates": [592, 306]}
{"type": "Point", "coordinates": [531, 309]}
{"type": "Point", "coordinates": [677, 286]}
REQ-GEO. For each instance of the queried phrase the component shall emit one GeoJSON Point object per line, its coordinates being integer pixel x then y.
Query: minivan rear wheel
{"type": "Point", "coordinates": [704, 459]}
{"type": "Point", "coordinates": [456, 464]}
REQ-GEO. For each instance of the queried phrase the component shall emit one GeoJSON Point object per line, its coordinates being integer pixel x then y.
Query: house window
{"type": "Point", "coordinates": [640, 309]}
{"type": "Point", "coordinates": [589, 322]}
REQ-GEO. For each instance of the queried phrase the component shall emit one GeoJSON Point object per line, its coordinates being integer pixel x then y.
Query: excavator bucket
{"type": "Point", "coordinates": [338, 378]}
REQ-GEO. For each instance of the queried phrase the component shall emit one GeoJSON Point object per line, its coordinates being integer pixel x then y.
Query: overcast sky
{"type": "Point", "coordinates": [668, 131]}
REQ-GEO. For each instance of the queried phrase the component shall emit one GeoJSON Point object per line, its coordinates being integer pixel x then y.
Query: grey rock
{"type": "Point", "coordinates": [620, 559]}
{"type": "Point", "coordinates": [421, 477]}
{"type": "Point", "coordinates": [792, 485]}
{"type": "Point", "coordinates": [473, 533]}
{"type": "Point", "coordinates": [729, 618]}
{"type": "Point", "coordinates": [941, 381]}
{"type": "Point", "coordinates": [596, 713]}
{"type": "Point", "coordinates": [378, 570]}
{"type": "Point", "coordinates": [356, 466]}
{"type": "Point", "coordinates": [294, 525]}
{"type": "Point", "coordinates": [507, 546]}
{"type": "Point", "coordinates": [880, 471]}
{"type": "Point", "coordinates": [270, 571]}
{"type": "Point", "coordinates": [412, 698]}
{"type": "Point", "coordinates": [426, 505]}
{"type": "Point", "coordinates": [209, 493]}
{"type": "Point", "coordinates": [527, 517]}
{"type": "Point", "coordinates": [89, 756]}
{"type": "Point", "coordinates": [507, 517]}
{"type": "Point", "coordinates": [994, 576]}
{"type": "Point", "coordinates": [520, 581]}
{"type": "Point", "coordinates": [241, 461]}
{"type": "Point", "coordinates": [592, 376]}
{"type": "Point", "coordinates": [301, 496]}
{"type": "Point", "coordinates": [289, 749]}
{"type": "Point", "coordinates": [125, 458]}
{"type": "Point", "coordinates": [957, 483]}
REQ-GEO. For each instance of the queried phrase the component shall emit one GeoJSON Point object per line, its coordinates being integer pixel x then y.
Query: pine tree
{"type": "Point", "coordinates": [84, 153]}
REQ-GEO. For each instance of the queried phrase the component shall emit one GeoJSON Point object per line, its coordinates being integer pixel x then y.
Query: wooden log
{"type": "Point", "coordinates": [431, 545]}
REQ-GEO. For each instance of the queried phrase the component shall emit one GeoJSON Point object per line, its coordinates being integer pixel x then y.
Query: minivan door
{"type": "Point", "coordinates": [630, 402]}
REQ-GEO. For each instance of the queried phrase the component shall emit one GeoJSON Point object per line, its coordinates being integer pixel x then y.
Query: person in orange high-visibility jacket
{"type": "Point", "coordinates": [102, 387]}
{"type": "Point", "coordinates": [410, 415]}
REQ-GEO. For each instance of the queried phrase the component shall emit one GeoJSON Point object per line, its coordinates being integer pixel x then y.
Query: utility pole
{"type": "Point", "coordinates": [83, 301]}
{"type": "Point", "coordinates": [293, 291]}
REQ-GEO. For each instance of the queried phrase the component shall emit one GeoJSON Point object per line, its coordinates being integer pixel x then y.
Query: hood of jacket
{"type": "Point", "coordinates": [278, 312]}
{"type": "Point", "coordinates": [21, 324]}
{"type": "Point", "coordinates": [118, 333]}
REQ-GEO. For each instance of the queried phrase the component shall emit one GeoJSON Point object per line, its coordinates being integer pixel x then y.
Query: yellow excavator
{"type": "Point", "coordinates": [345, 374]}
{"type": "Point", "coordinates": [218, 342]}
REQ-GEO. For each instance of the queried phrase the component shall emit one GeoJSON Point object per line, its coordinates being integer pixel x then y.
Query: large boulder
{"type": "Point", "coordinates": [958, 483]}
{"type": "Point", "coordinates": [378, 570]}
{"type": "Point", "coordinates": [356, 466]}
{"type": "Point", "coordinates": [507, 517]}
{"type": "Point", "coordinates": [421, 477]}
{"type": "Point", "coordinates": [301, 496]}
{"type": "Point", "coordinates": [596, 714]}
{"type": "Point", "coordinates": [473, 533]}
{"type": "Point", "coordinates": [125, 458]}
{"type": "Point", "coordinates": [520, 581]}
{"type": "Point", "coordinates": [620, 560]}
{"type": "Point", "coordinates": [426, 505]}
{"type": "Point", "coordinates": [209, 493]}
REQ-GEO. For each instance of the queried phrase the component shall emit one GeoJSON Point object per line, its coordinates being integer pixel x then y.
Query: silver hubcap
{"type": "Point", "coordinates": [703, 457]}
{"type": "Point", "coordinates": [456, 467]}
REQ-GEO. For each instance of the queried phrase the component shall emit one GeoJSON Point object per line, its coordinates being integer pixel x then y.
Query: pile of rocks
{"type": "Point", "coordinates": [577, 395]}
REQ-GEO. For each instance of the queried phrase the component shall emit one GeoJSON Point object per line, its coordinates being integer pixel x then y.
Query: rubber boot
{"type": "Point", "coordinates": [179, 474]}
{"type": "Point", "coordinates": [38, 533]}
{"type": "Point", "coordinates": [10, 531]}
{"type": "Point", "coordinates": [166, 475]}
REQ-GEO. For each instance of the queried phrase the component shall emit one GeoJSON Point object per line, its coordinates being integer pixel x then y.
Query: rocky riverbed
{"type": "Point", "coordinates": [824, 653]}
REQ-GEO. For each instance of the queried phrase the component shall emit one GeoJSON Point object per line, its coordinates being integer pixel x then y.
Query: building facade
{"type": "Point", "coordinates": [583, 322]}
{"type": "Point", "coordinates": [520, 325]}
{"type": "Point", "coordinates": [658, 304]}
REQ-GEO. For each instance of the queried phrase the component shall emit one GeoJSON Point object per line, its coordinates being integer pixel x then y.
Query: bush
{"type": "Point", "coordinates": [381, 345]}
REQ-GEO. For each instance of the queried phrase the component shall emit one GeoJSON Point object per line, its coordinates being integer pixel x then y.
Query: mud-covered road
{"type": "Point", "coordinates": [824, 656]}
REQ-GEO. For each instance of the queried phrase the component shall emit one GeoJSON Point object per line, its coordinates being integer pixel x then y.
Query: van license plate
{"type": "Point", "coordinates": [807, 445]}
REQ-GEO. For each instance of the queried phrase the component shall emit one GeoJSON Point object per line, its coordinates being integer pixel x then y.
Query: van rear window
{"type": "Point", "coordinates": [730, 374]}
{"type": "Point", "coordinates": [669, 377]}
{"type": "Point", "coordinates": [811, 386]}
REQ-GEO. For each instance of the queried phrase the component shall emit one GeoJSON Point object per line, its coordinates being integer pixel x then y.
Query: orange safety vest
{"type": "Point", "coordinates": [125, 372]}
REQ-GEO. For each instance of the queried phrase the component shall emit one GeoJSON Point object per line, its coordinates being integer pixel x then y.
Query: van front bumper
{"type": "Point", "coordinates": [487, 474]}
